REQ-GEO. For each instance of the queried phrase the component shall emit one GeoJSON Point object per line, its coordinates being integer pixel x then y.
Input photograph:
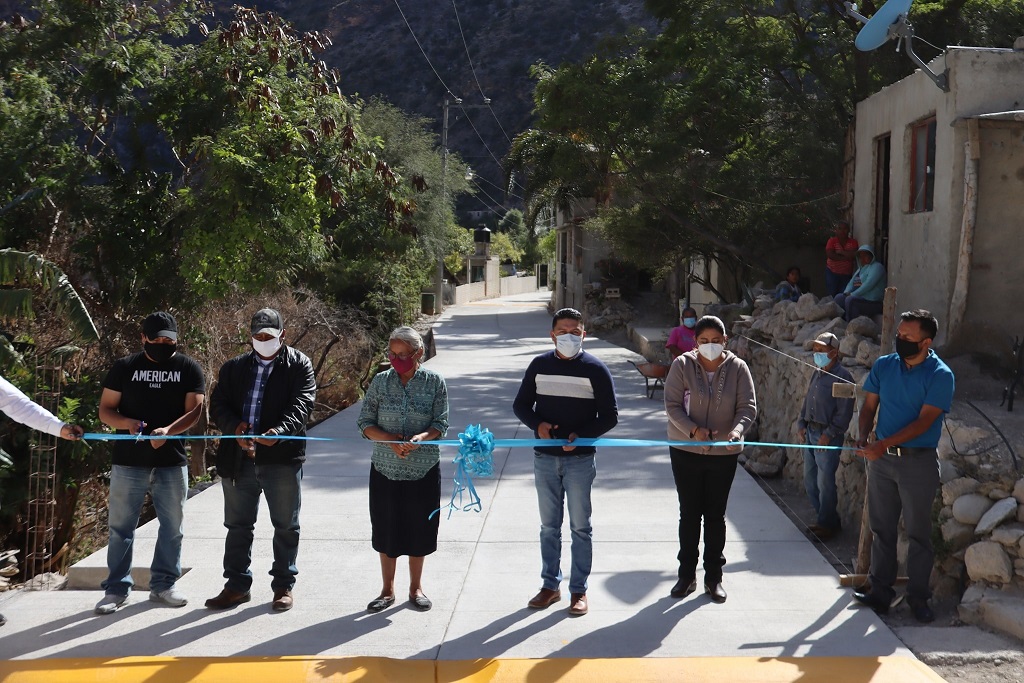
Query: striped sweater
{"type": "Point", "coordinates": [577, 395]}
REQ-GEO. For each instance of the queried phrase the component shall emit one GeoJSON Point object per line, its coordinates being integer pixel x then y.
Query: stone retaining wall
{"type": "Point", "coordinates": [979, 517]}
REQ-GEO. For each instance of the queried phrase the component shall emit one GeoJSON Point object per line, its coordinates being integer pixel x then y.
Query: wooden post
{"type": "Point", "coordinates": [887, 342]}
{"type": "Point", "coordinates": [958, 301]}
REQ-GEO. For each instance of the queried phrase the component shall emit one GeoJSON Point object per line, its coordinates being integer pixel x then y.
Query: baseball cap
{"type": "Point", "coordinates": [827, 339]}
{"type": "Point", "coordinates": [160, 324]}
{"type": "Point", "coordinates": [266, 320]}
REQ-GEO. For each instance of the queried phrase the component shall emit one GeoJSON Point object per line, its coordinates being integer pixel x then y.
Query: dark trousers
{"type": "Point", "coordinates": [855, 307]}
{"type": "Point", "coordinates": [281, 485]}
{"type": "Point", "coordinates": [703, 483]}
{"type": "Point", "coordinates": [836, 283]}
{"type": "Point", "coordinates": [904, 484]}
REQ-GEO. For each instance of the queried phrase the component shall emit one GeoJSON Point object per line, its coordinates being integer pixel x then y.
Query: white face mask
{"type": "Point", "coordinates": [711, 351]}
{"type": "Point", "coordinates": [267, 348]}
{"type": "Point", "coordinates": [569, 345]}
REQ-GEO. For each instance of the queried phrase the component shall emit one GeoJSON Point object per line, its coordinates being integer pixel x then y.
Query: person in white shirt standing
{"type": "Point", "coordinates": [20, 408]}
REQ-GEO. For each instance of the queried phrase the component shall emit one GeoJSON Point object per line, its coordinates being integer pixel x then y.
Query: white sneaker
{"type": "Point", "coordinates": [172, 596]}
{"type": "Point", "coordinates": [110, 603]}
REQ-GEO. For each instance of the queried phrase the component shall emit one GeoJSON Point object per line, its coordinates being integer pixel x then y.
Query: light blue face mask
{"type": "Point", "coordinates": [690, 322]}
{"type": "Point", "coordinates": [821, 359]}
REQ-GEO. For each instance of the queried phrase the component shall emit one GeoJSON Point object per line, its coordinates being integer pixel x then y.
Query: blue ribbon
{"type": "Point", "coordinates": [476, 446]}
{"type": "Point", "coordinates": [475, 457]}
{"type": "Point", "coordinates": [494, 443]}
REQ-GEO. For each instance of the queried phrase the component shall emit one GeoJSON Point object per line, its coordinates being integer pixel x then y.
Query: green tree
{"type": "Point", "coordinates": [504, 249]}
{"type": "Point", "coordinates": [178, 162]}
{"type": "Point", "coordinates": [717, 136]}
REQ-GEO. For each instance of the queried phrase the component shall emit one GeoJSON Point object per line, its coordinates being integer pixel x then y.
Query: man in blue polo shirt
{"type": "Point", "coordinates": [566, 393]}
{"type": "Point", "coordinates": [911, 390]}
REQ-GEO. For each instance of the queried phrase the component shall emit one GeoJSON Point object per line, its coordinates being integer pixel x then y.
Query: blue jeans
{"type": "Point", "coordinates": [569, 479]}
{"type": "Point", "coordinates": [836, 283]}
{"type": "Point", "coordinates": [281, 486]}
{"type": "Point", "coordinates": [168, 487]}
{"type": "Point", "coordinates": [820, 468]}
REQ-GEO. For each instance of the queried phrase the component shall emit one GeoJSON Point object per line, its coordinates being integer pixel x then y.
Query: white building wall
{"type": "Point", "coordinates": [923, 247]}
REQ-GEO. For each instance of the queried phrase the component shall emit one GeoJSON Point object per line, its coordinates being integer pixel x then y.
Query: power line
{"type": "Point", "coordinates": [508, 192]}
{"type": "Point", "coordinates": [449, 90]}
{"type": "Point", "coordinates": [487, 206]}
{"type": "Point", "coordinates": [495, 201]}
{"type": "Point", "coordinates": [484, 143]}
{"type": "Point", "coordinates": [466, 45]}
{"type": "Point", "coordinates": [473, 69]}
{"type": "Point", "coordinates": [422, 51]}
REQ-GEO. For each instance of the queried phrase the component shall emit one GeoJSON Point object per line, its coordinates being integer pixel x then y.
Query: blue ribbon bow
{"type": "Point", "coordinates": [476, 445]}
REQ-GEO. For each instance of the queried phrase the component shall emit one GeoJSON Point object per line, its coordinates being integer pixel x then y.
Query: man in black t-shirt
{"type": "Point", "coordinates": [156, 392]}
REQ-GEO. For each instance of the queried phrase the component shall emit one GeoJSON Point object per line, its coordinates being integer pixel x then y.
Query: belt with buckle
{"type": "Point", "coordinates": [900, 451]}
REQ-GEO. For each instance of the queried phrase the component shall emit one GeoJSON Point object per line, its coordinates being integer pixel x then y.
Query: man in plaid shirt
{"type": "Point", "coordinates": [261, 395]}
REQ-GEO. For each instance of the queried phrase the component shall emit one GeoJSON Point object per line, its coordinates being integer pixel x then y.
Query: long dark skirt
{"type": "Point", "coordinates": [399, 512]}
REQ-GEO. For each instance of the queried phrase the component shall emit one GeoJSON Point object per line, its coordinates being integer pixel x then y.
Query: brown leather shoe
{"type": "Point", "coordinates": [545, 598]}
{"type": "Point", "coordinates": [282, 600]}
{"type": "Point", "coordinates": [578, 605]}
{"type": "Point", "coordinates": [228, 598]}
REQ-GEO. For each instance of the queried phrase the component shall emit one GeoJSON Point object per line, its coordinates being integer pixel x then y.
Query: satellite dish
{"type": "Point", "coordinates": [891, 22]}
{"type": "Point", "coordinates": [879, 29]}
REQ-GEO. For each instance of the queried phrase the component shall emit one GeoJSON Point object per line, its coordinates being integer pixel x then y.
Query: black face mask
{"type": "Point", "coordinates": [907, 349]}
{"type": "Point", "coordinates": [160, 353]}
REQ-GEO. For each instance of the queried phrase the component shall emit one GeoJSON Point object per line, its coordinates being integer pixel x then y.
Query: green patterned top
{"type": "Point", "coordinates": [406, 410]}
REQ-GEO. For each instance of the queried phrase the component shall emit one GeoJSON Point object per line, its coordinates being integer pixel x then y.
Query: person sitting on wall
{"type": "Point", "coordinates": [789, 289]}
{"type": "Point", "coordinates": [864, 292]}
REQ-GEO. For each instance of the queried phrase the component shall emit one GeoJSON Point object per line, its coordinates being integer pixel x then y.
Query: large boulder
{"type": "Point", "coordinates": [848, 345]}
{"type": "Point", "coordinates": [952, 490]}
{"type": "Point", "coordinates": [1008, 536]}
{"type": "Point", "coordinates": [864, 326]}
{"type": "Point", "coordinates": [807, 334]}
{"type": "Point", "coordinates": [987, 561]}
{"type": "Point", "coordinates": [956, 533]}
{"type": "Point", "coordinates": [804, 305]}
{"type": "Point", "coordinates": [1018, 491]}
{"type": "Point", "coordinates": [868, 352]}
{"type": "Point", "coordinates": [824, 310]}
{"type": "Point", "coordinates": [1000, 512]}
{"type": "Point", "coordinates": [969, 509]}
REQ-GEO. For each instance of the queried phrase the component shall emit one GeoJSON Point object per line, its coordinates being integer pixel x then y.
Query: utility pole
{"type": "Point", "coordinates": [439, 276]}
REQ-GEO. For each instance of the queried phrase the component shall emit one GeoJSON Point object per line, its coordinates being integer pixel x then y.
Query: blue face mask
{"type": "Point", "coordinates": [821, 359]}
{"type": "Point", "coordinates": [690, 322]}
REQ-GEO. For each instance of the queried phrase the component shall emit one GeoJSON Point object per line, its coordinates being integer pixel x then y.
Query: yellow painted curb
{"type": "Point", "coordinates": [216, 670]}
{"type": "Point", "coordinates": [691, 670]}
{"type": "Point", "coordinates": [374, 669]}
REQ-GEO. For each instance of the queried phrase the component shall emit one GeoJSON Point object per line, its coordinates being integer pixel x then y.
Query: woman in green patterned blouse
{"type": "Point", "coordinates": [403, 408]}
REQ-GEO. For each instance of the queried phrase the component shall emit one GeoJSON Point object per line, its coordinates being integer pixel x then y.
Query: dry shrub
{"type": "Point", "coordinates": [336, 339]}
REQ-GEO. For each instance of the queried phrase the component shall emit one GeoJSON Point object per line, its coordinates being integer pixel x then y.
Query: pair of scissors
{"type": "Point", "coordinates": [138, 437]}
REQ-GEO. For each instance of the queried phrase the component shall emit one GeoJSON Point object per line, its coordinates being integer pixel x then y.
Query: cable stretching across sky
{"type": "Point", "coordinates": [449, 90]}
{"type": "Point", "coordinates": [487, 100]}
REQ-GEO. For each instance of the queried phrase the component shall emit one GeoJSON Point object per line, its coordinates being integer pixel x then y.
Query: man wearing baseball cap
{"type": "Point", "coordinates": [823, 421]}
{"type": "Point", "coordinates": [156, 392]}
{"type": "Point", "coordinates": [260, 395]}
